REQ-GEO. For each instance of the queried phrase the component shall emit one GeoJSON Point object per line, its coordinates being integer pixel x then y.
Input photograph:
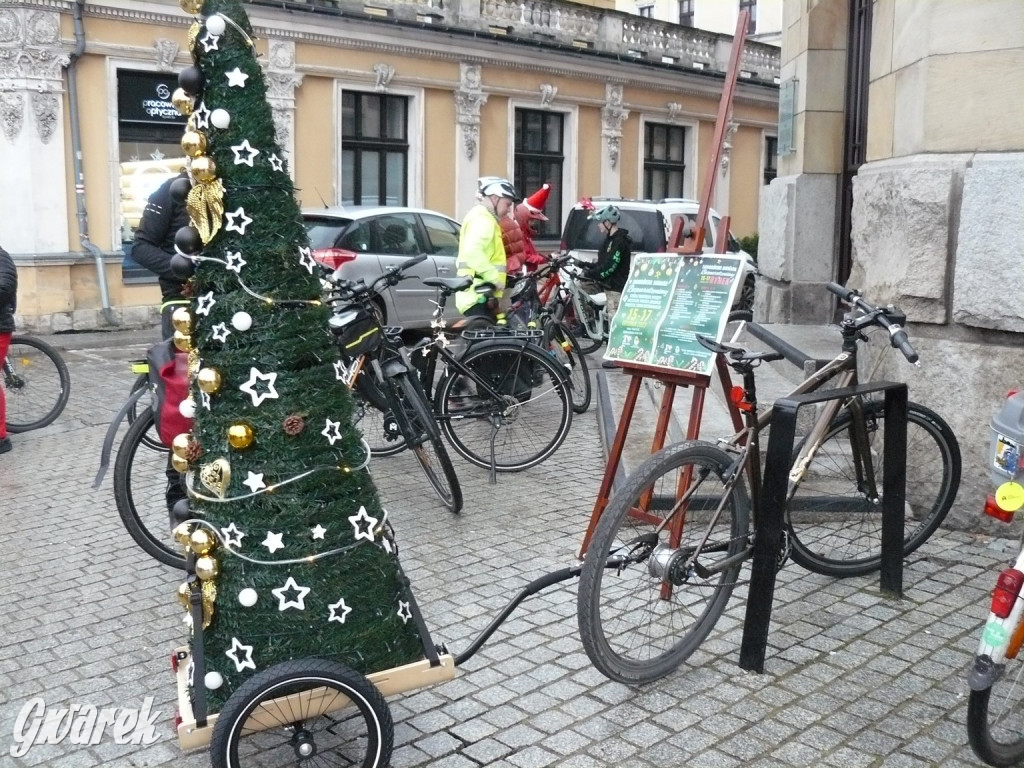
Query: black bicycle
{"type": "Point", "coordinates": [502, 401]}
{"type": "Point", "coordinates": [374, 355]}
{"type": "Point", "coordinates": [37, 382]}
{"type": "Point", "coordinates": [527, 310]}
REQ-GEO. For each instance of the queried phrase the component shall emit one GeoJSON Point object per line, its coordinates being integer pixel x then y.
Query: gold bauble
{"type": "Point", "coordinates": [180, 444]}
{"type": "Point", "coordinates": [193, 143]}
{"type": "Point", "coordinates": [240, 436]}
{"type": "Point", "coordinates": [182, 533]}
{"type": "Point", "coordinates": [208, 380]}
{"type": "Point", "coordinates": [183, 341]}
{"type": "Point", "coordinates": [207, 568]}
{"type": "Point", "coordinates": [191, 6]}
{"type": "Point", "coordinates": [204, 169]}
{"type": "Point", "coordinates": [179, 463]}
{"type": "Point", "coordinates": [182, 101]}
{"type": "Point", "coordinates": [201, 541]}
{"type": "Point", "coordinates": [182, 320]}
{"type": "Point", "coordinates": [184, 594]}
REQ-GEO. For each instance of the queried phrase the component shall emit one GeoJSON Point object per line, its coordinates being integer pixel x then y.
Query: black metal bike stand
{"type": "Point", "coordinates": [768, 536]}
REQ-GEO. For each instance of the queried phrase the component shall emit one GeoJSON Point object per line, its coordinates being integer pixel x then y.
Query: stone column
{"type": "Point", "coordinates": [282, 81]}
{"type": "Point", "coordinates": [33, 197]}
{"type": "Point", "coordinates": [797, 220]}
{"type": "Point", "coordinates": [612, 118]}
{"type": "Point", "coordinates": [469, 98]}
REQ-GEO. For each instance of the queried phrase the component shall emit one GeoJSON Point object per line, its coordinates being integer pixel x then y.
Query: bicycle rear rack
{"type": "Point", "coordinates": [498, 332]}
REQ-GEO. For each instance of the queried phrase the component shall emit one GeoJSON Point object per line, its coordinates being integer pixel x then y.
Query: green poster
{"type": "Point", "coordinates": [667, 300]}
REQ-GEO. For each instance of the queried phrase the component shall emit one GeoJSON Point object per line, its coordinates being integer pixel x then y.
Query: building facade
{"type": "Point", "coordinates": [764, 17]}
{"type": "Point", "coordinates": [901, 173]}
{"type": "Point", "coordinates": [387, 102]}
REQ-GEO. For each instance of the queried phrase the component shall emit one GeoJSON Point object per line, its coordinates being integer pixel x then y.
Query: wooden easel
{"type": "Point", "coordinates": [670, 378]}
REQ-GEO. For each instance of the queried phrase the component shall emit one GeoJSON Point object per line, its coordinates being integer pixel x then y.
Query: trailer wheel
{"type": "Point", "coordinates": [306, 711]}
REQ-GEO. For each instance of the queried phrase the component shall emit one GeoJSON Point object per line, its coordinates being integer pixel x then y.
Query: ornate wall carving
{"type": "Point", "coordinates": [166, 51]}
{"type": "Point", "coordinates": [282, 80]}
{"type": "Point", "coordinates": [31, 64]}
{"type": "Point", "coordinates": [547, 94]}
{"type": "Point", "coordinates": [730, 131]}
{"type": "Point", "coordinates": [613, 115]}
{"type": "Point", "coordinates": [468, 100]}
{"type": "Point", "coordinates": [12, 113]}
{"type": "Point", "coordinates": [383, 74]}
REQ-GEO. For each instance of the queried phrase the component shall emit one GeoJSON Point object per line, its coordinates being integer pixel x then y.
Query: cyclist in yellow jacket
{"type": "Point", "coordinates": [481, 252]}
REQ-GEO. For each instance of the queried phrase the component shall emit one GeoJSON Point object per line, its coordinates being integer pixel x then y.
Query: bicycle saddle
{"type": "Point", "coordinates": [449, 284]}
{"type": "Point", "coordinates": [735, 353]}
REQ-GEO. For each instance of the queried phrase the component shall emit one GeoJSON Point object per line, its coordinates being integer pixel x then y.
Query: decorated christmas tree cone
{"type": "Point", "coordinates": [290, 553]}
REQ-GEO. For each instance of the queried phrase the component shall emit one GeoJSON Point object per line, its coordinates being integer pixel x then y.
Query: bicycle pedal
{"type": "Point", "coordinates": [784, 551]}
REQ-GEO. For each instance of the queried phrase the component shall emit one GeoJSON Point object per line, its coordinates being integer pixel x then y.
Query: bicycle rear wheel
{"type": "Point", "coordinates": [428, 446]}
{"type": "Point", "coordinates": [37, 384]}
{"type": "Point", "coordinates": [526, 422]}
{"type": "Point", "coordinates": [141, 476]}
{"type": "Point", "coordinates": [151, 439]}
{"type": "Point", "coordinates": [566, 351]}
{"type": "Point", "coordinates": [642, 606]}
{"type": "Point", "coordinates": [835, 529]}
{"type": "Point", "coordinates": [374, 418]}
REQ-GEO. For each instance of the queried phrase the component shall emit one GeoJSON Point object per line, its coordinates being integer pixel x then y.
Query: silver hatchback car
{"type": "Point", "coordinates": [365, 240]}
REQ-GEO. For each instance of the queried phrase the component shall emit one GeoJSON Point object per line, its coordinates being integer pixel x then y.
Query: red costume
{"type": "Point", "coordinates": [518, 235]}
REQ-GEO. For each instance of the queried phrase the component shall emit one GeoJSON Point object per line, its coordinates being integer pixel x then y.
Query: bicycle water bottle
{"type": "Point", "coordinates": [1007, 439]}
{"type": "Point", "coordinates": [1006, 456]}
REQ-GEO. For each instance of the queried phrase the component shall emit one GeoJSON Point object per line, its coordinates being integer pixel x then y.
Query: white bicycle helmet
{"type": "Point", "coordinates": [495, 185]}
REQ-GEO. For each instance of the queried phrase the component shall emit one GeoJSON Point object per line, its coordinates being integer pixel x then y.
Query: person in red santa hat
{"type": "Point", "coordinates": [521, 255]}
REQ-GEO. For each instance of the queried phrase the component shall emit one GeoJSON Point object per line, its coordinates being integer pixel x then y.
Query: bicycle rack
{"type": "Point", "coordinates": [768, 535]}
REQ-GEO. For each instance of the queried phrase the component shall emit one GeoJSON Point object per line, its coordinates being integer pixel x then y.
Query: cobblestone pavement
{"type": "Point", "coordinates": [851, 679]}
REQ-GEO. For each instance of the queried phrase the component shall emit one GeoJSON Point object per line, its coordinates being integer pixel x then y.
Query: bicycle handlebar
{"type": "Point", "coordinates": [879, 316]}
{"type": "Point", "coordinates": [392, 276]}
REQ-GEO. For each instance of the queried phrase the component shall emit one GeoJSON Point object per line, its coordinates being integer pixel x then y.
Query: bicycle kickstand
{"type": "Point", "coordinates": [495, 424]}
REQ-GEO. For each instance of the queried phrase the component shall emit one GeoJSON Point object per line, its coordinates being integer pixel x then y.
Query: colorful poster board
{"type": "Point", "coordinates": [667, 301]}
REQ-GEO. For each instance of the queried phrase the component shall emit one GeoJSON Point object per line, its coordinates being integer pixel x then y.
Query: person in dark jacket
{"type": "Point", "coordinates": [8, 303]}
{"type": "Point", "coordinates": [154, 247]}
{"type": "Point", "coordinates": [613, 260]}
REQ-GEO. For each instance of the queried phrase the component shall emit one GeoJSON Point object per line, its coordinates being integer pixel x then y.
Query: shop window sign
{"type": "Point", "coordinates": [145, 97]}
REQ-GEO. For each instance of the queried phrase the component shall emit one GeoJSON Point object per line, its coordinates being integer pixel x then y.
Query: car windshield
{"type": "Point", "coordinates": [323, 232]}
{"type": "Point", "coordinates": [645, 230]}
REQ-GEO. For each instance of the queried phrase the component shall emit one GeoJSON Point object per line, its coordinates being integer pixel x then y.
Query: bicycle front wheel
{"type": "Point", "coordinates": [565, 349]}
{"type": "Point", "coordinates": [37, 383]}
{"type": "Point", "coordinates": [428, 446]}
{"type": "Point", "coordinates": [836, 527]}
{"type": "Point", "coordinates": [141, 477]}
{"type": "Point", "coordinates": [522, 423]}
{"type": "Point", "coordinates": [995, 718]}
{"type": "Point", "coordinates": [648, 598]}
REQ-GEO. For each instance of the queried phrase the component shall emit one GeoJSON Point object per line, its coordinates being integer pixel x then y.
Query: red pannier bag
{"type": "Point", "coordinates": [168, 376]}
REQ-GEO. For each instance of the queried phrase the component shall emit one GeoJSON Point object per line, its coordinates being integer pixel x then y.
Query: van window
{"type": "Point", "coordinates": [646, 231]}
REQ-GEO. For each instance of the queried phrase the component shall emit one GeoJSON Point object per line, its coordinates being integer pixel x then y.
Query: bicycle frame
{"type": "Point", "coordinates": [745, 444]}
